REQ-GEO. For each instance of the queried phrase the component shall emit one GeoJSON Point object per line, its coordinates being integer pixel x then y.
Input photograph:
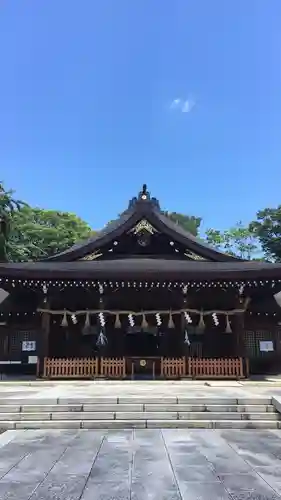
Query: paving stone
{"type": "Point", "coordinates": [29, 401]}
{"type": "Point", "coordinates": [208, 401]}
{"type": "Point", "coordinates": [210, 416]}
{"type": "Point", "coordinates": [113, 407]}
{"type": "Point", "coordinates": [9, 416]}
{"type": "Point", "coordinates": [34, 416]}
{"type": "Point", "coordinates": [145, 415]}
{"type": "Point", "coordinates": [164, 424]}
{"type": "Point", "coordinates": [108, 491]}
{"type": "Point", "coordinates": [231, 465]}
{"type": "Point", "coordinates": [237, 483]}
{"type": "Point", "coordinates": [21, 481]}
{"type": "Point", "coordinates": [245, 424]}
{"type": "Point", "coordinates": [8, 424]}
{"type": "Point", "coordinates": [79, 457]}
{"type": "Point", "coordinates": [221, 408]}
{"type": "Point", "coordinates": [254, 401]}
{"type": "Point", "coordinates": [113, 424]}
{"type": "Point", "coordinates": [86, 401]}
{"type": "Point", "coordinates": [50, 408]}
{"type": "Point", "coordinates": [10, 408]}
{"type": "Point", "coordinates": [8, 436]}
{"type": "Point", "coordinates": [255, 495]}
{"type": "Point", "coordinates": [254, 408]}
{"type": "Point", "coordinates": [260, 416]}
{"type": "Point", "coordinates": [174, 407]}
{"type": "Point", "coordinates": [203, 491]}
{"type": "Point", "coordinates": [195, 474]}
{"type": "Point", "coordinates": [48, 424]}
{"type": "Point", "coordinates": [147, 400]}
{"type": "Point", "coordinates": [152, 474]}
{"type": "Point", "coordinates": [60, 487]}
{"type": "Point", "coordinates": [82, 415]}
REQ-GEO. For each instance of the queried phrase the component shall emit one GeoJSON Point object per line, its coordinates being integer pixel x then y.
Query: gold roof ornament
{"type": "Point", "coordinates": [92, 256]}
{"type": "Point", "coordinates": [193, 256]}
{"type": "Point", "coordinates": [143, 225]}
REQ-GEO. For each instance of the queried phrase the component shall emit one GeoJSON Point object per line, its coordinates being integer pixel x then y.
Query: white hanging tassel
{"type": "Point", "coordinates": [158, 319]}
{"type": "Point", "coordinates": [64, 321]}
{"type": "Point", "coordinates": [144, 323]}
{"type": "Point", "coordinates": [117, 323]}
{"type": "Point", "coordinates": [201, 324]}
{"type": "Point", "coordinates": [186, 338]}
{"type": "Point", "coordinates": [228, 328]}
{"type": "Point", "coordinates": [87, 321]}
{"type": "Point", "coordinates": [171, 323]}
{"type": "Point", "coordinates": [102, 339]}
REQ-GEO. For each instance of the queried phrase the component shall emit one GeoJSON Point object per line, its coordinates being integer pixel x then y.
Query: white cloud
{"type": "Point", "coordinates": [183, 105]}
{"type": "Point", "coordinates": [175, 103]}
{"type": "Point", "coordinates": [187, 106]}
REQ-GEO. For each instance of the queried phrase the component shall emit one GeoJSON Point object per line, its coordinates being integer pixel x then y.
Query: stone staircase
{"type": "Point", "coordinates": [139, 412]}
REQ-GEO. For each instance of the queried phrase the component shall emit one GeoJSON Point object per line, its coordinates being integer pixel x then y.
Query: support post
{"type": "Point", "coordinates": [44, 340]}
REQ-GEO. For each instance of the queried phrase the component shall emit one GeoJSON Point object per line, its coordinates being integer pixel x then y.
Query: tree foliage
{"type": "Point", "coordinates": [28, 233]}
{"type": "Point", "coordinates": [9, 206]}
{"type": "Point", "coordinates": [238, 241]}
{"type": "Point", "coordinates": [37, 233]}
{"type": "Point", "coordinates": [267, 228]}
{"type": "Point", "coordinates": [188, 222]}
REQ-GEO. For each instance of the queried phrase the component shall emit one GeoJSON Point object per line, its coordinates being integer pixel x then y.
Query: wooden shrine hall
{"type": "Point", "coordinates": [141, 299]}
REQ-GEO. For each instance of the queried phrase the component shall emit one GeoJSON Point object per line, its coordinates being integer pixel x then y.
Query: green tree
{"type": "Point", "coordinates": [239, 241]}
{"type": "Point", "coordinates": [9, 206]}
{"type": "Point", "coordinates": [37, 233]}
{"type": "Point", "coordinates": [188, 222]}
{"type": "Point", "coordinates": [267, 228]}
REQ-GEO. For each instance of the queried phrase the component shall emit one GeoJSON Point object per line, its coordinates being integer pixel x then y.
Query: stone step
{"type": "Point", "coordinates": [129, 424]}
{"type": "Point", "coordinates": [26, 408]}
{"type": "Point", "coordinates": [144, 415]}
{"type": "Point", "coordinates": [136, 400]}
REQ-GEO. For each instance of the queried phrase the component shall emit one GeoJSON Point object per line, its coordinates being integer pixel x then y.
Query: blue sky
{"type": "Point", "coordinates": [98, 97]}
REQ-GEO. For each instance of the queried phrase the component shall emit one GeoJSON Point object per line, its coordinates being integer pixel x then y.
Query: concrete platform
{"type": "Point", "coordinates": [140, 464]}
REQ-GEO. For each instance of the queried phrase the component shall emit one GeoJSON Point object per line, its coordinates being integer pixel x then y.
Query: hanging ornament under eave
{"type": "Point", "coordinates": [74, 319]}
{"type": "Point", "coordinates": [101, 340]}
{"type": "Point", "coordinates": [101, 319]}
{"type": "Point", "coordinates": [144, 323]}
{"type": "Point", "coordinates": [64, 321]}
{"type": "Point", "coordinates": [131, 320]}
{"type": "Point", "coordinates": [87, 321]}
{"type": "Point", "coordinates": [201, 325]}
{"type": "Point", "coordinates": [187, 317]}
{"type": "Point", "coordinates": [158, 319]}
{"type": "Point", "coordinates": [117, 323]}
{"type": "Point", "coordinates": [277, 297]}
{"type": "Point", "coordinates": [171, 323]}
{"type": "Point", "coordinates": [228, 328]}
{"type": "Point", "coordinates": [186, 339]}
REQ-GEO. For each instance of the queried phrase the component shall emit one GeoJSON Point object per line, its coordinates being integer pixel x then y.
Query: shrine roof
{"type": "Point", "coordinates": [141, 268]}
{"type": "Point", "coordinates": [141, 208]}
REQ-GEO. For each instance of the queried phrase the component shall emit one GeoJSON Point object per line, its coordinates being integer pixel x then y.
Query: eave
{"type": "Point", "coordinates": [145, 269]}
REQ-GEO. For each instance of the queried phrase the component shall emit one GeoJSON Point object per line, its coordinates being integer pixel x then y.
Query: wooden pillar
{"type": "Point", "coordinates": [239, 330]}
{"type": "Point", "coordinates": [43, 350]}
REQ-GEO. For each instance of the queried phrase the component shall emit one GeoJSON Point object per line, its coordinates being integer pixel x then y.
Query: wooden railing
{"type": "Point", "coordinates": [216, 367]}
{"type": "Point", "coordinates": [70, 367]}
{"type": "Point", "coordinates": [173, 367]}
{"type": "Point", "coordinates": [113, 367]}
{"type": "Point", "coordinates": [169, 368]}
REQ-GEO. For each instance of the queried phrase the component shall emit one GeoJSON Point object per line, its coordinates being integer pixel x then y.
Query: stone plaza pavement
{"type": "Point", "coordinates": [139, 464]}
{"type": "Point", "coordinates": [53, 390]}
